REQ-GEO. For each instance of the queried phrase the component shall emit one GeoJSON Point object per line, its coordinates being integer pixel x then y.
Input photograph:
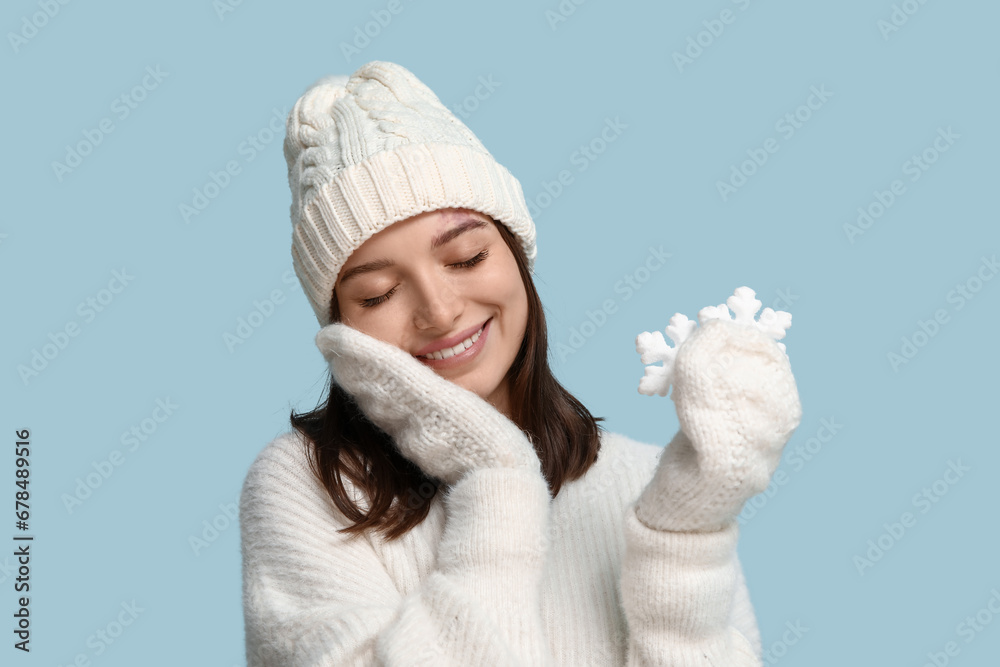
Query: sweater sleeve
{"type": "Point", "coordinates": [684, 598]}
{"type": "Point", "coordinates": [743, 617]}
{"type": "Point", "coordinates": [313, 596]}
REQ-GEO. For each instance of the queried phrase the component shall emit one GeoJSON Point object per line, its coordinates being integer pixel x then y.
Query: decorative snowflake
{"type": "Point", "coordinates": [652, 347]}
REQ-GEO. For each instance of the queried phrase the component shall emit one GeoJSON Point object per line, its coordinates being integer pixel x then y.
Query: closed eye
{"type": "Point", "coordinates": [467, 264]}
{"type": "Point", "coordinates": [374, 301]}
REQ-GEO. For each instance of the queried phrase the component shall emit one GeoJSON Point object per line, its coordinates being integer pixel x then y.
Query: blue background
{"type": "Point", "coordinates": [555, 84]}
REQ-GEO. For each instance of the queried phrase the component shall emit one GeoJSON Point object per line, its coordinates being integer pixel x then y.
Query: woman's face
{"type": "Point", "coordinates": [432, 282]}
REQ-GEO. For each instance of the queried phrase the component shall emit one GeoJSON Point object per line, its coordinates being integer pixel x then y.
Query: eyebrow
{"type": "Point", "coordinates": [438, 241]}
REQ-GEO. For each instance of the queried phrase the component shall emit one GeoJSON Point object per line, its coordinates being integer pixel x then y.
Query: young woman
{"type": "Point", "coordinates": [450, 503]}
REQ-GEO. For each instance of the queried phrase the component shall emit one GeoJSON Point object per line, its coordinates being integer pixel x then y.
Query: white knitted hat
{"type": "Point", "coordinates": [375, 148]}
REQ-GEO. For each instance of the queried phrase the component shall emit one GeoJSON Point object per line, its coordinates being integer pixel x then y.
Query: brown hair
{"type": "Point", "coordinates": [343, 442]}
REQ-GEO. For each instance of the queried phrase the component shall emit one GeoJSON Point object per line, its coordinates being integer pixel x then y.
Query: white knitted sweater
{"type": "Point", "coordinates": [495, 566]}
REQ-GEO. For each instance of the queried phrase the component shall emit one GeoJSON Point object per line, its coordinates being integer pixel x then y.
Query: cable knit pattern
{"type": "Point", "coordinates": [375, 148]}
{"type": "Point", "coordinates": [497, 574]}
{"type": "Point", "coordinates": [737, 404]}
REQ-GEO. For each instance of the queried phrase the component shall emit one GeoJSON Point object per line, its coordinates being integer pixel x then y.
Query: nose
{"type": "Point", "coordinates": [438, 305]}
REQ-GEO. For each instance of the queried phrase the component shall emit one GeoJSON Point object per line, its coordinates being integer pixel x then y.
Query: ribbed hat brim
{"type": "Point", "coordinates": [393, 185]}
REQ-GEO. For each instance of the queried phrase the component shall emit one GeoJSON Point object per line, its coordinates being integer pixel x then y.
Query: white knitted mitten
{"type": "Point", "coordinates": [737, 404]}
{"type": "Point", "coordinates": [445, 429]}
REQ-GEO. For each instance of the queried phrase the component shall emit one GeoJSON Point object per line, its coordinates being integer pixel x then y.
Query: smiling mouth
{"type": "Point", "coordinates": [449, 352]}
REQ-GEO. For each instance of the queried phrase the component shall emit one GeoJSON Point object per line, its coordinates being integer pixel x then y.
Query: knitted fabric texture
{"type": "Point", "coordinates": [634, 563]}
{"type": "Point", "coordinates": [375, 148]}
{"type": "Point", "coordinates": [737, 404]}
{"type": "Point", "coordinates": [497, 574]}
{"type": "Point", "coordinates": [404, 398]}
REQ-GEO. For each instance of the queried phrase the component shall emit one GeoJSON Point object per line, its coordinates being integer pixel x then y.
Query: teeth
{"type": "Point", "coordinates": [458, 349]}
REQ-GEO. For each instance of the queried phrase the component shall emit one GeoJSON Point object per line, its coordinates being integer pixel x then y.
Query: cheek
{"type": "Point", "coordinates": [383, 326]}
{"type": "Point", "coordinates": [504, 284]}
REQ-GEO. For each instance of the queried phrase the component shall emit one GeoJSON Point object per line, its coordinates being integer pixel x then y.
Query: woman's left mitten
{"type": "Point", "coordinates": [738, 405]}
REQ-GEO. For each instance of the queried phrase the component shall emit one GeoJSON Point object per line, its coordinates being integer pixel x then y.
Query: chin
{"type": "Point", "coordinates": [476, 384]}
{"type": "Point", "coordinates": [475, 387]}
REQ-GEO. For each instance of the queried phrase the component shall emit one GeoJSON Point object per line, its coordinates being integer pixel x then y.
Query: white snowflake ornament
{"type": "Point", "coordinates": [653, 348]}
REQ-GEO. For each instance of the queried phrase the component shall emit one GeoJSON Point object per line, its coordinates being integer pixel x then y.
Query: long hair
{"type": "Point", "coordinates": [342, 442]}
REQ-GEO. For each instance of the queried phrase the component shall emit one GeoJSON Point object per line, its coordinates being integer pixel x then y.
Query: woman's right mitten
{"type": "Point", "coordinates": [445, 429]}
